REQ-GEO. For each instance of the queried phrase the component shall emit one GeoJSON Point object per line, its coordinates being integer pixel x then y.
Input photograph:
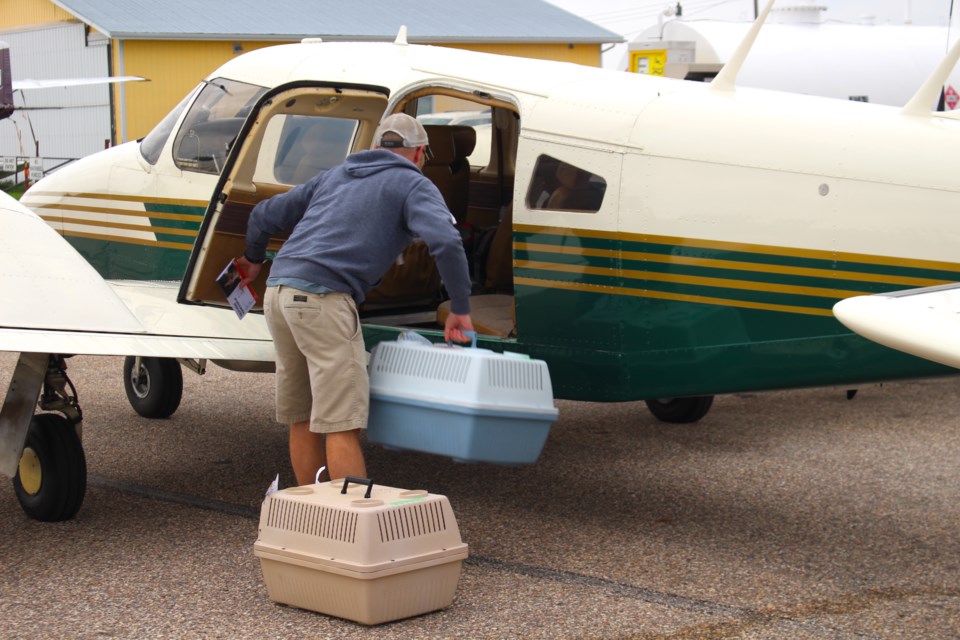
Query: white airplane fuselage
{"type": "Point", "coordinates": [730, 221]}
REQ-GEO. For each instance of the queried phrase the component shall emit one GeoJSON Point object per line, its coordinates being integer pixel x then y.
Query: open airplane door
{"type": "Point", "coordinates": [296, 131]}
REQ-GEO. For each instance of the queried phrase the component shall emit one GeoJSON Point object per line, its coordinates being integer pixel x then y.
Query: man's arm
{"type": "Point", "coordinates": [427, 216]}
{"type": "Point", "coordinates": [273, 215]}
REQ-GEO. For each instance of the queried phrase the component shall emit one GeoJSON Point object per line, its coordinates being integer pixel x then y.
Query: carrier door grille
{"type": "Point", "coordinates": [515, 374]}
{"type": "Point", "coordinates": [411, 521]}
{"type": "Point", "coordinates": [432, 364]}
{"type": "Point", "coordinates": [313, 520]}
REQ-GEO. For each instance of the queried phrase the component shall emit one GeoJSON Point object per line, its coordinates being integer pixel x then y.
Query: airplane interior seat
{"type": "Point", "coordinates": [575, 190]}
{"type": "Point", "coordinates": [447, 169]}
{"type": "Point", "coordinates": [543, 183]}
{"type": "Point", "coordinates": [412, 280]}
{"type": "Point", "coordinates": [586, 198]}
{"type": "Point", "coordinates": [464, 142]}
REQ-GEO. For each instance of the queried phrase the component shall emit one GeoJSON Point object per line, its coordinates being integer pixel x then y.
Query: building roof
{"type": "Point", "coordinates": [427, 21]}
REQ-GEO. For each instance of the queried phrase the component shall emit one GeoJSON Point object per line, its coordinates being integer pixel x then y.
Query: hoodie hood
{"type": "Point", "coordinates": [367, 163]}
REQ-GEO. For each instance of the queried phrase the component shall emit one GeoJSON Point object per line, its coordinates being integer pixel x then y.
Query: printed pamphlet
{"type": "Point", "coordinates": [240, 296]}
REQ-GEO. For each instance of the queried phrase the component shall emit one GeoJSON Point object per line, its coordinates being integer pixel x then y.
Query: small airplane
{"type": "Point", "coordinates": [650, 239]}
{"type": "Point", "coordinates": [8, 86]}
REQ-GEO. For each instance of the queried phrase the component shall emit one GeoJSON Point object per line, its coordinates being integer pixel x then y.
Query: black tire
{"type": "Point", "coordinates": [51, 479]}
{"type": "Point", "coordinates": [155, 390]}
{"type": "Point", "coordinates": [680, 410]}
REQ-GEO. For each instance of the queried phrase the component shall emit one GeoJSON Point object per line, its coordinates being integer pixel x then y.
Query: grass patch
{"type": "Point", "coordinates": [17, 191]}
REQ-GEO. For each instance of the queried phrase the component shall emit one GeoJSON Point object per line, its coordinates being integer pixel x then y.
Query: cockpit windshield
{"type": "Point", "coordinates": [212, 124]}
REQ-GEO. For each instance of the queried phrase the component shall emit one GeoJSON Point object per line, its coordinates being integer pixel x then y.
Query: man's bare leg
{"type": "Point", "coordinates": [344, 455]}
{"type": "Point", "coordinates": [307, 452]}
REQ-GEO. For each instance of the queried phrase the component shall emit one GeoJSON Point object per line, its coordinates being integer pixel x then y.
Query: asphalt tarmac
{"type": "Point", "coordinates": [796, 514]}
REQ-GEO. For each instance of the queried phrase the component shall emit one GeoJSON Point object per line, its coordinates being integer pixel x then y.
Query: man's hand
{"type": "Point", "coordinates": [455, 326]}
{"type": "Point", "coordinates": [249, 269]}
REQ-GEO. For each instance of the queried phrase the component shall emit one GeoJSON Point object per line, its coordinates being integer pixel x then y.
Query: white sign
{"type": "Point", "coordinates": [9, 164]}
{"type": "Point", "coordinates": [36, 168]}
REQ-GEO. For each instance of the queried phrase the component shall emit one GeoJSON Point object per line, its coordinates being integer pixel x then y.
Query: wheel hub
{"type": "Point", "coordinates": [31, 474]}
{"type": "Point", "coordinates": [140, 381]}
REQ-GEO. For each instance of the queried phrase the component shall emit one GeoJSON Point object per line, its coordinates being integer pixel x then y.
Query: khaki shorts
{"type": "Point", "coordinates": [321, 360]}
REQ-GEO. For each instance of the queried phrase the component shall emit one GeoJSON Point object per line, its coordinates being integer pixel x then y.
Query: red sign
{"type": "Point", "coordinates": [951, 98]}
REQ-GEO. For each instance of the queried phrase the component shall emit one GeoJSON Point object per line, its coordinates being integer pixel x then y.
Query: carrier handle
{"type": "Point", "coordinates": [473, 339]}
{"type": "Point", "coordinates": [354, 480]}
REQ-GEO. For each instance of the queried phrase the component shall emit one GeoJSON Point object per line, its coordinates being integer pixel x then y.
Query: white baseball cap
{"type": "Point", "coordinates": [411, 132]}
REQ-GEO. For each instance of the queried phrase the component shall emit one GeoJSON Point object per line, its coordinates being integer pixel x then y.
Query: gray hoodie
{"type": "Point", "coordinates": [350, 223]}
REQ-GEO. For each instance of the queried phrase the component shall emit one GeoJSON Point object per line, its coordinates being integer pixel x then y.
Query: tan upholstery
{"type": "Point", "coordinates": [442, 145]}
{"type": "Point", "coordinates": [464, 140]}
{"type": "Point", "coordinates": [449, 169]}
{"type": "Point", "coordinates": [413, 280]}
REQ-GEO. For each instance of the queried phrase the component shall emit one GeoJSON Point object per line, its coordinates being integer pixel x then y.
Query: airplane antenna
{"type": "Point", "coordinates": [402, 36]}
{"type": "Point", "coordinates": [929, 92]}
{"type": "Point", "coordinates": [728, 74]}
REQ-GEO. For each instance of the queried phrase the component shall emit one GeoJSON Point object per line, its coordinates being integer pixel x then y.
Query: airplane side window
{"type": "Point", "coordinates": [559, 186]}
{"type": "Point", "coordinates": [152, 144]}
{"type": "Point", "coordinates": [212, 124]}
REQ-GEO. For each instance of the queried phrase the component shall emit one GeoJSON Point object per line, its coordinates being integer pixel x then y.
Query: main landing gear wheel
{"type": "Point", "coordinates": [155, 387]}
{"type": "Point", "coordinates": [51, 479]}
{"type": "Point", "coordinates": [680, 410]}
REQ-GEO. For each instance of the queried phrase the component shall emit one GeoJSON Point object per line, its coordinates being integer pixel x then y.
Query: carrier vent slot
{"type": "Point", "coordinates": [434, 364]}
{"type": "Point", "coordinates": [412, 521]}
{"type": "Point", "coordinates": [515, 374]}
{"type": "Point", "coordinates": [313, 520]}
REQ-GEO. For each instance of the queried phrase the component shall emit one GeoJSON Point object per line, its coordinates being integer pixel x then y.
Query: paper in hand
{"type": "Point", "coordinates": [240, 296]}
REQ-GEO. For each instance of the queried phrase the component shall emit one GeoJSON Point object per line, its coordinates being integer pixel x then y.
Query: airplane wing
{"type": "Point", "coordinates": [71, 82]}
{"type": "Point", "coordinates": [923, 322]}
{"type": "Point", "coordinates": [55, 302]}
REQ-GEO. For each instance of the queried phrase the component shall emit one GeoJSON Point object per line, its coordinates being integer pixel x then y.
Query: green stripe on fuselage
{"type": "Point", "coordinates": [116, 260]}
{"type": "Point", "coordinates": [622, 318]}
{"type": "Point", "coordinates": [816, 279]}
{"type": "Point", "coordinates": [116, 257]}
{"type": "Point", "coordinates": [192, 225]}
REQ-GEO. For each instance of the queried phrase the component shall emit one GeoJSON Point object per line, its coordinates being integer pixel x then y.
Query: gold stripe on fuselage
{"type": "Point", "coordinates": [733, 265]}
{"type": "Point", "coordinates": [661, 295]}
{"type": "Point", "coordinates": [702, 281]}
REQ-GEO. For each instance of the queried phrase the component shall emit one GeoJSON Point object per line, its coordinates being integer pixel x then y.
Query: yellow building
{"type": "Point", "coordinates": [175, 43]}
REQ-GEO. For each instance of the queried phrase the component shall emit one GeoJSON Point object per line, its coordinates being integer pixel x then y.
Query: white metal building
{"type": "Point", "coordinates": [64, 122]}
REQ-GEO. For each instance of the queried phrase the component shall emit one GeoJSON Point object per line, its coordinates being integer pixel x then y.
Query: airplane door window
{"type": "Point", "coordinates": [560, 186]}
{"type": "Point", "coordinates": [212, 123]}
{"type": "Point", "coordinates": [311, 144]}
